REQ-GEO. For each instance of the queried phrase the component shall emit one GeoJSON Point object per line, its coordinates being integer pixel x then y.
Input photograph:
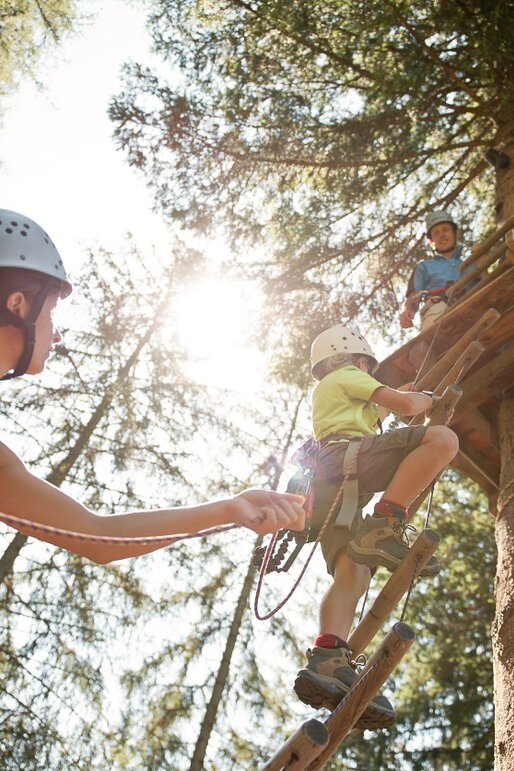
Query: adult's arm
{"type": "Point", "coordinates": [24, 495]}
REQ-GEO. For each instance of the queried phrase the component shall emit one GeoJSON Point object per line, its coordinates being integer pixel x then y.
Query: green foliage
{"type": "Point", "coordinates": [323, 130]}
{"type": "Point", "coordinates": [27, 31]}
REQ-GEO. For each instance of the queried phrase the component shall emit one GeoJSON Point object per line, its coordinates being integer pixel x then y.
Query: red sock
{"type": "Point", "coordinates": [329, 641]}
{"type": "Point", "coordinates": [383, 507]}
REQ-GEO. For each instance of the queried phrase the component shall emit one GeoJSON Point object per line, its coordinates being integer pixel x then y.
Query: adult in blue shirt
{"type": "Point", "coordinates": [431, 277]}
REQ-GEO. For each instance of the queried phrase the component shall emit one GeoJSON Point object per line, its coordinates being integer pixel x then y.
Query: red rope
{"type": "Point", "coordinates": [169, 539]}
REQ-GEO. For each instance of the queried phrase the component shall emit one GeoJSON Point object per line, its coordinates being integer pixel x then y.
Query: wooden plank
{"type": "Point", "coordinates": [487, 381]}
{"type": "Point", "coordinates": [483, 464]}
{"type": "Point", "coordinates": [502, 331]}
{"type": "Point", "coordinates": [396, 369]}
{"type": "Point", "coordinates": [434, 375]}
{"type": "Point", "coordinates": [466, 466]}
{"type": "Point", "coordinates": [487, 278]}
{"type": "Point", "coordinates": [479, 431]}
{"type": "Point", "coordinates": [480, 266]}
{"type": "Point", "coordinates": [486, 245]}
{"type": "Point", "coordinates": [372, 678]}
{"type": "Point", "coordinates": [303, 746]}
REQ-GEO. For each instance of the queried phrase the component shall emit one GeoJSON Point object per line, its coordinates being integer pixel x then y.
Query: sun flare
{"type": "Point", "coordinates": [217, 324]}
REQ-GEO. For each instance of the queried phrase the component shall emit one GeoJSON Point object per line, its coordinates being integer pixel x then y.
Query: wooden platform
{"type": "Point", "coordinates": [475, 417]}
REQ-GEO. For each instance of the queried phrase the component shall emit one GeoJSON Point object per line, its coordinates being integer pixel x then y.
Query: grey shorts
{"type": "Point", "coordinates": [378, 459]}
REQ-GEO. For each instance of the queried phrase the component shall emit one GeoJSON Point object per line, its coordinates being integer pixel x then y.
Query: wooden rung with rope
{"type": "Point", "coordinates": [295, 755]}
{"type": "Point", "coordinates": [435, 374]}
{"type": "Point", "coordinates": [378, 669]}
{"type": "Point", "coordinates": [301, 748]}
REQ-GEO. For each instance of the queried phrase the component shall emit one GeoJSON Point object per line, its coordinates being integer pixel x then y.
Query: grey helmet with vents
{"type": "Point", "coordinates": [24, 245]}
{"type": "Point", "coordinates": [436, 217]}
{"type": "Point", "coordinates": [340, 340]}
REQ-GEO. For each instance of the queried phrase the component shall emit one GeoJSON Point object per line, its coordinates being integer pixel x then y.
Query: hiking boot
{"type": "Point", "coordinates": [327, 678]}
{"type": "Point", "coordinates": [383, 541]}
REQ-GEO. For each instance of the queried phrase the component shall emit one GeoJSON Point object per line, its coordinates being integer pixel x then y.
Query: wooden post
{"type": "Point", "coordinates": [437, 372]}
{"type": "Point", "coordinates": [493, 238]}
{"type": "Point", "coordinates": [445, 405]}
{"type": "Point", "coordinates": [372, 678]}
{"type": "Point", "coordinates": [479, 268]}
{"type": "Point", "coordinates": [303, 746]}
{"type": "Point", "coordinates": [410, 567]}
{"type": "Point", "coordinates": [455, 373]}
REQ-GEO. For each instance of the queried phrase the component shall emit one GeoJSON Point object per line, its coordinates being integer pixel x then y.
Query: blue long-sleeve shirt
{"type": "Point", "coordinates": [437, 272]}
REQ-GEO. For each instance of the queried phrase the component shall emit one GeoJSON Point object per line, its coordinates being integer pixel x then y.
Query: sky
{"type": "Point", "coordinates": [59, 165]}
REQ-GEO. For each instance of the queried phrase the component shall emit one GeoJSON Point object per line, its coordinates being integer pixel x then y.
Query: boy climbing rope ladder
{"type": "Point", "coordinates": [347, 405]}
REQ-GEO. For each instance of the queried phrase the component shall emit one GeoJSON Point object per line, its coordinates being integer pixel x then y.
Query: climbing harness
{"type": "Point", "coordinates": [268, 560]}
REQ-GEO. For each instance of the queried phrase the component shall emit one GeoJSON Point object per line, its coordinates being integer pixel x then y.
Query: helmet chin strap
{"type": "Point", "coordinates": [28, 328]}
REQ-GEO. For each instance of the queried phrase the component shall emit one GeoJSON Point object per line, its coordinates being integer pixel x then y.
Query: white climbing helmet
{"type": "Point", "coordinates": [436, 217]}
{"type": "Point", "coordinates": [24, 244]}
{"type": "Point", "coordinates": [340, 339]}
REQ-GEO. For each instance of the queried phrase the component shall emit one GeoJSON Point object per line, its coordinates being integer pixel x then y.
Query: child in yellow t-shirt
{"type": "Point", "coordinates": [347, 404]}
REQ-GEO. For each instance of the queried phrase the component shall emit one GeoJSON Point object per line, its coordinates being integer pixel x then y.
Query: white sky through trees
{"type": "Point", "coordinates": [59, 165]}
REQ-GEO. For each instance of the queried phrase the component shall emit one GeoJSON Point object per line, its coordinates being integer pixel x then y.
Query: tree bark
{"type": "Point", "coordinates": [197, 761]}
{"type": "Point", "coordinates": [503, 626]}
{"type": "Point", "coordinates": [502, 636]}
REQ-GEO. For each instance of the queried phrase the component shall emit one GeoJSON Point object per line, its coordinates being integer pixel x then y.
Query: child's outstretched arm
{"type": "Point", "coordinates": [403, 402]}
{"type": "Point", "coordinates": [26, 496]}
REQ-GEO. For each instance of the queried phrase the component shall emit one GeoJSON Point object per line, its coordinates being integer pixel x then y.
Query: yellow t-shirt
{"type": "Point", "coordinates": [340, 403]}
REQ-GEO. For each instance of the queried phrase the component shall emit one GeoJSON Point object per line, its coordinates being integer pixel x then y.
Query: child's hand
{"type": "Point", "coordinates": [264, 511]}
{"type": "Point", "coordinates": [406, 387]}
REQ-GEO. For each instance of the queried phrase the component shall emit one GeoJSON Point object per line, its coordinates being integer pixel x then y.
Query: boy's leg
{"type": "Point", "coordinates": [381, 540]}
{"type": "Point", "coordinates": [330, 672]}
{"type": "Point", "coordinates": [337, 609]}
{"type": "Point", "coordinates": [438, 448]}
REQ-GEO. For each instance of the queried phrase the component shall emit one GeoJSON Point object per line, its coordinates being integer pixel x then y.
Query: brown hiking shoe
{"type": "Point", "coordinates": [383, 541]}
{"type": "Point", "coordinates": [327, 678]}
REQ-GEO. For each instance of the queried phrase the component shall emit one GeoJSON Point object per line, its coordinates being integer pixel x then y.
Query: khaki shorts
{"type": "Point", "coordinates": [431, 312]}
{"type": "Point", "coordinates": [378, 459]}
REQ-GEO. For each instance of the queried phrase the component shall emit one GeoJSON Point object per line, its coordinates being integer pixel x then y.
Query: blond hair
{"type": "Point", "coordinates": [338, 360]}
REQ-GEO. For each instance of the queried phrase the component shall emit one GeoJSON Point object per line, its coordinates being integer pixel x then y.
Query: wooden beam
{"type": "Point", "coordinates": [372, 678]}
{"type": "Point", "coordinates": [433, 377]}
{"type": "Point", "coordinates": [486, 245]}
{"type": "Point", "coordinates": [303, 746]}
{"type": "Point", "coordinates": [454, 374]}
{"type": "Point", "coordinates": [398, 584]}
{"type": "Point", "coordinates": [479, 268]}
{"type": "Point", "coordinates": [484, 469]}
{"type": "Point", "coordinates": [493, 377]}
{"type": "Point", "coordinates": [478, 430]}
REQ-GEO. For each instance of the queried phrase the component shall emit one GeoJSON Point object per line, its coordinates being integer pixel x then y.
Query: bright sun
{"type": "Point", "coordinates": [216, 322]}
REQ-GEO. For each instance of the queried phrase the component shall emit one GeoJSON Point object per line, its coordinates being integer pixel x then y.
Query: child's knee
{"type": "Point", "coordinates": [354, 576]}
{"type": "Point", "coordinates": [443, 439]}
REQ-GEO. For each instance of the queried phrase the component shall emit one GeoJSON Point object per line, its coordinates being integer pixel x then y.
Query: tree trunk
{"type": "Point", "coordinates": [503, 626]}
{"type": "Point", "coordinates": [58, 474]}
{"type": "Point", "coordinates": [197, 761]}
